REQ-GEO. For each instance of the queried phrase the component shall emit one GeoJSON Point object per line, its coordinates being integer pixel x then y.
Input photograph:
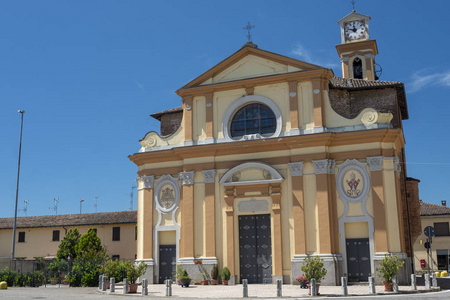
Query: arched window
{"type": "Point", "coordinates": [357, 68]}
{"type": "Point", "coordinates": [251, 119]}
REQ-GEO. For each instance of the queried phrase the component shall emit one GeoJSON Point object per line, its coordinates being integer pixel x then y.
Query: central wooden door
{"type": "Point", "coordinates": [255, 248]}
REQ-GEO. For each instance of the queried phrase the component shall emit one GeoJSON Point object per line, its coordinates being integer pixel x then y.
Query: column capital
{"type": "Point", "coordinates": [210, 175]}
{"type": "Point", "coordinates": [324, 166]}
{"type": "Point", "coordinates": [296, 168]}
{"type": "Point", "coordinates": [375, 163]}
{"type": "Point", "coordinates": [186, 178]}
{"type": "Point", "coordinates": [148, 181]}
{"type": "Point", "coordinates": [397, 166]}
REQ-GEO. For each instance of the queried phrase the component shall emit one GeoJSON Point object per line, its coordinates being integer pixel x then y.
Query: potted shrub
{"type": "Point", "coordinates": [184, 278]}
{"type": "Point", "coordinates": [134, 271]}
{"type": "Point", "coordinates": [110, 270]}
{"type": "Point", "coordinates": [179, 273]}
{"type": "Point", "coordinates": [389, 267]}
{"type": "Point", "coordinates": [214, 274]}
{"type": "Point", "coordinates": [313, 268]}
{"type": "Point", "coordinates": [303, 281]}
{"type": "Point", "coordinates": [225, 273]}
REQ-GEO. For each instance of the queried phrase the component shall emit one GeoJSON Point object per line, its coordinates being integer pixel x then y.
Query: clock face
{"type": "Point", "coordinates": [354, 30]}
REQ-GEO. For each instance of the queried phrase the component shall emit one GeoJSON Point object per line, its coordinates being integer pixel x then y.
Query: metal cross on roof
{"type": "Point", "coordinates": [248, 28]}
{"type": "Point", "coordinates": [353, 3]}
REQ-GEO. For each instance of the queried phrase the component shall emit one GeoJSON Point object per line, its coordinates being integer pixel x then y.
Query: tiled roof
{"type": "Point", "coordinates": [350, 83]}
{"type": "Point", "coordinates": [430, 209]}
{"type": "Point", "coordinates": [117, 217]}
{"type": "Point", "coordinates": [158, 115]}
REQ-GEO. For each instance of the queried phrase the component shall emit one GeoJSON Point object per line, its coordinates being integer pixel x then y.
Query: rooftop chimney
{"type": "Point", "coordinates": [444, 202]}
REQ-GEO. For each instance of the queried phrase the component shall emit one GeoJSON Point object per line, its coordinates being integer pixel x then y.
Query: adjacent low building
{"type": "Point", "coordinates": [40, 236]}
{"type": "Point", "coordinates": [438, 217]}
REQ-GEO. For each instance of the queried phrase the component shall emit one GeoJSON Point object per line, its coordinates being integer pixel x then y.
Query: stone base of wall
{"type": "Point", "coordinates": [197, 271]}
{"type": "Point", "coordinates": [150, 272]}
{"type": "Point", "coordinates": [403, 277]}
{"type": "Point", "coordinates": [331, 262]}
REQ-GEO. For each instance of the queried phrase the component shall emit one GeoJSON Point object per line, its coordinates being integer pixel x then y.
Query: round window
{"type": "Point", "coordinates": [252, 119]}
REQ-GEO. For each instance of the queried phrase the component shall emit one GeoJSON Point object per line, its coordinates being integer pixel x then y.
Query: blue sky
{"type": "Point", "coordinates": [89, 74]}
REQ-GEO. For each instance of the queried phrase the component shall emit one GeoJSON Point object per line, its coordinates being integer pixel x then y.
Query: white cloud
{"type": "Point", "coordinates": [304, 55]}
{"type": "Point", "coordinates": [422, 80]}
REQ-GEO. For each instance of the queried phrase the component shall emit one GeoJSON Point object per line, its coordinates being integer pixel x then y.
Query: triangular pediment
{"type": "Point", "coordinates": [353, 16]}
{"type": "Point", "coordinates": [250, 62]}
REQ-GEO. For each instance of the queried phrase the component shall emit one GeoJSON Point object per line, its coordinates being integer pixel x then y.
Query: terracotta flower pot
{"type": "Point", "coordinates": [213, 281]}
{"type": "Point", "coordinates": [225, 282]}
{"type": "Point", "coordinates": [205, 282]}
{"type": "Point", "coordinates": [132, 288]}
{"type": "Point", "coordinates": [388, 286]}
{"type": "Point", "coordinates": [317, 288]}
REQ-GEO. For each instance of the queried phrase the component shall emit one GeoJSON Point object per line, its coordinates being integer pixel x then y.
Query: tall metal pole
{"type": "Point", "coordinates": [17, 188]}
{"type": "Point", "coordinates": [81, 202]}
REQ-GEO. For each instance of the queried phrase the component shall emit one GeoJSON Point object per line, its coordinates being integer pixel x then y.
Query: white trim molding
{"type": "Point", "coordinates": [271, 175]}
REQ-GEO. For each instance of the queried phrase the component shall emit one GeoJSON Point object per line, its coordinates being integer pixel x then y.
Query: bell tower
{"type": "Point", "coordinates": [357, 51]}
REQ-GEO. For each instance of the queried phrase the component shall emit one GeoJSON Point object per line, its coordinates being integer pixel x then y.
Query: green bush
{"type": "Point", "coordinates": [9, 276]}
{"type": "Point", "coordinates": [134, 271]}
{"type": "Point", "coordinates": [225, 273]}
{"type": "Point", "coordinates": [389, 267]}
{"type": "Point", "coordinates": [313, 268]}
{"type": "Point", "coordinates": [215, 272]}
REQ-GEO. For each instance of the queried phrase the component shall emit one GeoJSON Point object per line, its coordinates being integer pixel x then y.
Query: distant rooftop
{"type": "Point", "coordinates": [104, 218]}
{"type": "Point", "coordinates": [429, 209]}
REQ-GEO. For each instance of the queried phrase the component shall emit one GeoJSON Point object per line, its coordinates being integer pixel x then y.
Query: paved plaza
{"type": "Point", "coordinates": [195, 292]}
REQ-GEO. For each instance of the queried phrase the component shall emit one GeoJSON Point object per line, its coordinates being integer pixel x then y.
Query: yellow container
{"type": "Point", "coordinates": [3, 285]}
{"type": "Point", "coordinates": [438, 274]}
{"type": "Point", "coordinates": [444, 274]}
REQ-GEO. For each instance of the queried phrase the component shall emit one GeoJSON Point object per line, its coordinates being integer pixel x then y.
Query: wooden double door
{"type": "Point", "coordinates": [358, 259]}
{"type": "Point", "coordinates": [255, 248]}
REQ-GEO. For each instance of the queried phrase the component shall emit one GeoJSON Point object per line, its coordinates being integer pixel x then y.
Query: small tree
{"type": "Point", "coordinates": [389, 267]}
{"type": "Point", "coordinates": [68, 244]}
{"type": "Point", "coordinates": [135, 271]}
{"type": "Point", "coordinates": [313, 268]}
{"type": "Point", "coordinates": [90, 247]}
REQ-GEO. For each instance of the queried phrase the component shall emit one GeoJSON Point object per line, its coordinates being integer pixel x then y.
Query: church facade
{"type": "Point", "coordinates": [270, 160]}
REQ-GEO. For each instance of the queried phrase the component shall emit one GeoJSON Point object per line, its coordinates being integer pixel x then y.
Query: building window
{"type": "Point", "coordinates": [441, 229]}
{"type": "Point", "coordinates": [21, 237]}
{"type": "Point", "coordinates": [357, 68]}
{"type": "Point", "coordinates": [135, 233]}
{"type": "Point", "coordinates": [115, 257]}
{"type": "Point", "coordinates": [442, 259]}
{"type": "Point", "coordinates": [251, 119]}
{"type": "Point", "coordinates": [116, 234]}
{"type": "Point", "coordinates": [55, 236]}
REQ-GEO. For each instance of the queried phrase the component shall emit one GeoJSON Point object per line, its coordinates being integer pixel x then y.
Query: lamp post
{"type": "Point", "coordinates": [81, 203]}
{"type": "Point", "coordinates": [17, 188]}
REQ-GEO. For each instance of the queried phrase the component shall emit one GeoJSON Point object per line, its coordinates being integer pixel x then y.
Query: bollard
{"type": "Point", "coordinates": [413, 282]}
{"type": "Point", "coordinates": [313, 287]}
{"type": "Point", "coordinates": [103, 283]}
{"type": "Point", "coordinates": [427, 281]}
{"type": "Point", "coordinates": [279, 287]}
{"type": "Point", "coordinates": [168, 287]}
{"type": "Point", "coordinates": [244, 288]}
{"type": "Point", "coordinates": [100, 282]}
{"type": "Point", "coordinates": [394, 283]}
{"type": "Point", "coordinates": [145, 286]}
{"type": "Point", "coordinates": [372, 285]}
{"type": "Point", "coordinates": [112, 284]}
{"type": "Point", "coordinates": [344, 286]}
{"type": "Point", "coordinates": [125, 286]}
{"type": "Point", "coordinates": [434, 280]}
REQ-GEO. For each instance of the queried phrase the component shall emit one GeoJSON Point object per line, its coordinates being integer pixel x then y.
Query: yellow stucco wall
{"type": "Point", "coordinates": [439, 243]}
{"type": "Point", "coordinates": [38, 241]}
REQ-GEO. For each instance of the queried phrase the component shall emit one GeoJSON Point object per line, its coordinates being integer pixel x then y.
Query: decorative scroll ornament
{"type": "Point", "coordinates": [375, 163]}
{"type": "Point", "coordinates": [296, 168]}
{"type": "Point", "coordinates": [186, 177]}
{"type": "Point", "coordinates": [209, 175]}
{"type": "Point", "coordinates": [369, 118]}
{"type": "Point", "coordinates": [147, 180]}
{"type": "Point", "coordinates": [324, 166]}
